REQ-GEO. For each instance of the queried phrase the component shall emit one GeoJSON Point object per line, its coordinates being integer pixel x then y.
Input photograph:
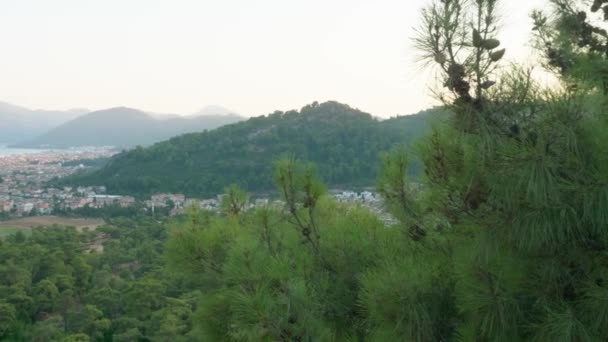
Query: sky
{"type": "Point", "coordinates": [252, 56]}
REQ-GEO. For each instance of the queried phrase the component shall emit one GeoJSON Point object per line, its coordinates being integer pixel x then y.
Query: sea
{"type": "Point", "coordinates": [6, 151]}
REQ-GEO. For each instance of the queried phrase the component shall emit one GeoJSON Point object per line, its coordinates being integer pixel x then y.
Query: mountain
{"type": "Point", "coordinates": [215, 110]}
{"type": "Point", "coordinates": [20, 123]}
{"type": "Point", "coordinates": [125, 127]}
{"type": "Point", "coordinates": [345, 143]}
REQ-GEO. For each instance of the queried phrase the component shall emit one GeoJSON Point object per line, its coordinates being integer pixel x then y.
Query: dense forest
{"type": "Point", "coordinates": [507, 239]}
{"type": "Point", "coordinates": [54, 287]}
{"type": "Point", "coordinates": [344, 142]}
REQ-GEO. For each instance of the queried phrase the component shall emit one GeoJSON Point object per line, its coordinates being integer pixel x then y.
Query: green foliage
{"type": "Point", "coordinates": [54, 287]}
{"type": "Point", "coordinates": [395, 186]}
{"type": "Point", "coordinates": [234, 200]}
{"type": "Point", "coordinates": [515, 176]}
{"type": "Point", "coordinates": [573, 40]}
{"type": "Point", "coordinates": [8, 317]}
{"type": "Point", "coordinates": [342, 141]}
{"type": "Point", "coordinates": [313, 270]}
{"type": "Point", "coordinates": [459, 37]}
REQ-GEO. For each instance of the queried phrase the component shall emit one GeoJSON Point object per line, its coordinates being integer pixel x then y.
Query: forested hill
{"type": "Point", "coordinates": [345, 143]}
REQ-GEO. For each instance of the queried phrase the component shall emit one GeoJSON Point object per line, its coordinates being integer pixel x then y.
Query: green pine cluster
{"type": "Point", "coordinates": [107, 284]}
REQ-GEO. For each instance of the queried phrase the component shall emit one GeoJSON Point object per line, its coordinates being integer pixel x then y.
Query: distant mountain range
{"type": "Point", "coordinates": [125, 127]}
{"type": "Point", "coordinates": [343, 142]}
{"type": "Point", "coordinates": [20, 123]}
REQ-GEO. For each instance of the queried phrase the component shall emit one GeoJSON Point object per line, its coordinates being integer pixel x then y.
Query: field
{"type": "Point", "coordinates": [27, 223]}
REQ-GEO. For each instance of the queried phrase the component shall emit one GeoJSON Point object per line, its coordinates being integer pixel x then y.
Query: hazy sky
{"type": "Point", "coordinates": [253, 56]}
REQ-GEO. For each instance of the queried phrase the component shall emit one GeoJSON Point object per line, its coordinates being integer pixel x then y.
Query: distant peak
{"type": "Point", "coordinates": [120, 108]}
{"type": "Point", "coordinates": [79, 110]}
{"type": "Point", "coordinates": [118, 113]}
{"type": "Point", "coordinates": [123, 110]}
{"type": "Point", "coordinates": [214, 110]}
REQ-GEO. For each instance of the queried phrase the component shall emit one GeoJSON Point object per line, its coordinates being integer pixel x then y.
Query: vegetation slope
{"type": "Point", "coordinates": [344, 142]}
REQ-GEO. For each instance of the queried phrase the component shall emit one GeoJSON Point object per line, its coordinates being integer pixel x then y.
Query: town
{"type": "Point", "coordinates": [23, 190]}
{"type": "Point", "coordinates": [23, 178]}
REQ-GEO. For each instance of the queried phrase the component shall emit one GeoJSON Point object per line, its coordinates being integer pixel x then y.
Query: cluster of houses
{"type": "Point", "coordinates": [364, 197]}
{"type": "Point", "coordinates": [19, 208]}
{"type": "Point", "coordinates": [368, 199]}
{"type": "Point", "coordinates": [178, 203]}
{"type": "Point", "coordinates": [44, 201]}
{"type": "Point", "coordinates": [22, 176]}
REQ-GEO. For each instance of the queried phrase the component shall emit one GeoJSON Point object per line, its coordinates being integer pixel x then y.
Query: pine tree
{"type": "Point", "coordinates": [506, 240]}
{"type": "Point", "coordinates": [517, 178]}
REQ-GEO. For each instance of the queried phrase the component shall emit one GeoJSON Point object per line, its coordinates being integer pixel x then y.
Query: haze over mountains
{"type": "Point", "coordinates": [19, 123]}
{"type": "Point", "coordinates": [120, 127]}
